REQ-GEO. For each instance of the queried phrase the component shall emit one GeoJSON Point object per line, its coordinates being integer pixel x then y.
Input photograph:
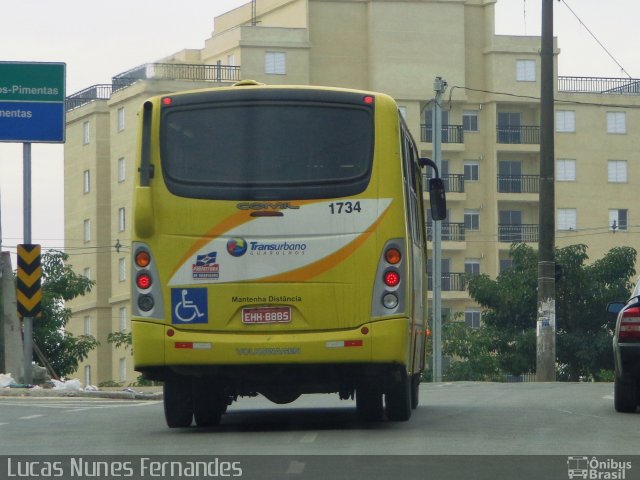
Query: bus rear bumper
{"type": "Point", "coordinates": [385, 341]}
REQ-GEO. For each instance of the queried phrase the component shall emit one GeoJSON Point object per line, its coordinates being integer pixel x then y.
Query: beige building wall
{"type": "Point", "coordinates": [398, 47]}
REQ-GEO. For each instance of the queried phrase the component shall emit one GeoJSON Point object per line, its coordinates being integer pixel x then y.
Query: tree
{"type": "Point", "coordinates": [506, 342]}
{"type": "Point", "coordinates": [59, 284]}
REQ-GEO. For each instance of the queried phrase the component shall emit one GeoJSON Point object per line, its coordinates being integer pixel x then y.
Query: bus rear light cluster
{"type": "Point", "coordinates": [630, 325]}
{"type": "Point", "coordinates": [145, 294]}
{"type": "Point", "coordinates": [389, 292]}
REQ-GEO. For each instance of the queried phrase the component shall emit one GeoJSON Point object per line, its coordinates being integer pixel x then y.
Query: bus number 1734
{"type": "Point", "coordinates": [344, 207]}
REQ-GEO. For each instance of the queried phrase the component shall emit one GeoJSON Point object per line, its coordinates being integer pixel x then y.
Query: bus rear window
{"type": "Point", "coordinates": [267, 150]}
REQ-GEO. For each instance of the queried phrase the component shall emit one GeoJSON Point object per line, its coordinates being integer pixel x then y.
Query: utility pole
{"type": "Point", "coordinates": [546, 322]}
{"type": "Point", "coordinates": [439, 85]}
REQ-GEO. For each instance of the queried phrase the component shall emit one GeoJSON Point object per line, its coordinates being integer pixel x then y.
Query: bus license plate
{"type": "Point", "coordinates": [266, 315]}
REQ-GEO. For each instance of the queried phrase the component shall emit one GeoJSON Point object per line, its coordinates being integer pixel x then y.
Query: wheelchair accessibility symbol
{"type": "Point", "coordinates": [189, 305]}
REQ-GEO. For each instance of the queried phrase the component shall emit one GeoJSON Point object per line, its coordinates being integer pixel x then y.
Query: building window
{"type": "Point", "coordinates": [121, 220]}
{"type": "Point", "coordinates": [471, 220]}
{"type": "Point", "coordinates": [122, 269]}
{"type": "Point", "coordinates": [470, 120]}
{"type": "Point", "coordinates": [566, 170]}
{"type": "Point", "coordinates": [121, 169]}
{"type": "Point", "coordinates": [122, 318]}
{"type": "Point", "coordinates": [505, 264]}
{"type": "Point", "coordinates": [231, 60]}
{"type": "Point", "coordinates": [87, 273]}
{"type": "Point", "coordinates": [275, 63]}
{"type": "Point", "coordinates": [86, 230]}
{"type": "Point", "coordinates": [122, 369]}
{"type": "Point", "coordinates": [472, 318]}
{"type": "Point", "coordinates": [617, 171]}
{"type": "Point", "coordinates": [471, 171]}
{"type": "Point", "coordinates": [86, 133]}
{"type": "Point", "coordinates": [616, 122]}
{"type": "Point", "coordinates": [526, 70]}
{"type": "Point", "coordinates": [567, 219]}
{"type": "Point", "coordinates": [472, 266]}
{"type": "Point", "coordinates": [87, 325]}
{"type": "Point", "coordinates": [86, 181]}
{"type": "Point", "coordinates": [121, 119]}
{"type": "Point", "coordinates": [565, 121]}
{"type": "Point", "coordinates": [617, 220]}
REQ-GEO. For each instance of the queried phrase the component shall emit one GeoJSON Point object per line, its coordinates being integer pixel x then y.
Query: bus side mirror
{"type": "Point", "coordinates": [437, 199]}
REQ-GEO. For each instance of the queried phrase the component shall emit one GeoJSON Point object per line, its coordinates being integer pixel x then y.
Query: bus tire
{"type": "Point", "coordinates": [398, 400]}
{"type": "Point", "coordinates": [209, 404]}
{"type": "Point", "coordinates": [369, 403]}
{"type": "Point", "coordinates": [178, 401]}
{"type": "Point", "coordinates": [415, 390]}
{"type": "Point", "coordinates": [625, 396]}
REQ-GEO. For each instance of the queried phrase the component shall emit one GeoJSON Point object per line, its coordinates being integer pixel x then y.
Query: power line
{"type": "Point", "coordinates": [596, 38]}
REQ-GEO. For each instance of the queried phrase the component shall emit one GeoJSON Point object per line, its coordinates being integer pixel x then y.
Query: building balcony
{"type": "Point", "coordinates": [599, 85]}
{"type": "Point", "coordinates": [523, 135]}
{"type": "Point", "coordinates": [451, 281]}
{"type": "Point", "coordinates": [450, 232]}
{"type": "Point", "coordinates": [154, 71]}
{"type": "Point", "coordinates": [450, 133]}
{"type": "Point", "coordinates": [518, 183]}
{"type": "Point", "coordinates": [453, 183]}
{"type": "Point", "coordinates": [518, 233]}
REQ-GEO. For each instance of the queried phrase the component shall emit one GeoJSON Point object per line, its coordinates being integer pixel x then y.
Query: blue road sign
{"type": "Point", "coordinates": [31, 122]}
{"type": "Point", "coordinates": [32, 97]}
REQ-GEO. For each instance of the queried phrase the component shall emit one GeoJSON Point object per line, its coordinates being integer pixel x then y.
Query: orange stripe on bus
{"type": "Point", "coordinates": [217, 230]}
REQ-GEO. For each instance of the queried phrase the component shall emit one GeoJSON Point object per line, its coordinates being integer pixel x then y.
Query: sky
{"type": "Point", "coordinates": [99, 42]}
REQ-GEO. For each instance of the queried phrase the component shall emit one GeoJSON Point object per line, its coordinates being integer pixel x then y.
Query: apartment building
{"type": "Point", "coordinates": [490, 136]}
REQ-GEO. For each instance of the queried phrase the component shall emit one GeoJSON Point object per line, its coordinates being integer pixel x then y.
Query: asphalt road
{"type": "Point", "coordinates": [467, 419]}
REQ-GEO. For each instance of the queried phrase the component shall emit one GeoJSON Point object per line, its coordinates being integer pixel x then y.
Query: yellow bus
{"type": "Point", "coordinates": [279, 249]}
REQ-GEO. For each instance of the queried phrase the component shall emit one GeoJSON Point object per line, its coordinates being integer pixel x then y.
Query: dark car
{"type": "Point", "coordinates": [626, 352]}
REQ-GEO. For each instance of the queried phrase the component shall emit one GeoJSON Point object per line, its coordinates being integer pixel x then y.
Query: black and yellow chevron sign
{"type": "Point", "coordinates": [29, 290]}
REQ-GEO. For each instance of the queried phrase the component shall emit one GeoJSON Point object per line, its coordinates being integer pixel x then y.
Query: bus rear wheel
{"type": "Point", "coordinates": [369, 403]}
{"type": "Point", "coordinates": [398, 399]}
{"type": "Point", "coordinates": [178, 401]}
{"type": "Point", "coordinates": [209, 403]}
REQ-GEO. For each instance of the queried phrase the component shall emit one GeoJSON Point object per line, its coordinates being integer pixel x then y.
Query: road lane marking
{"type": "Point", "coordinates": [578, 413]}
{"type": "Point", "coordinates": [97, 407]}
{"type": "Point", "coordinates": [608, 397]}
{"type": "Point", "coordinates": [296, 468]}
{"type": "Point", "coordinates": [29, 417]}
{"type": "Point", "coordinates": [309, 437]}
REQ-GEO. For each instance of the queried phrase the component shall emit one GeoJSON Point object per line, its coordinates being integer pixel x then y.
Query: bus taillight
{"type": "Point", "coordinates": [143, 281]}
{"type": "Point", "coordinates": [391, 278]}
{"type": "Point", "coordinates": [393, 256]}
{"type": "Point", "coordinates": [142, 259]}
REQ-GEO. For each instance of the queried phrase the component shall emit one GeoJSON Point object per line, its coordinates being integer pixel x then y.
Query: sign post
{"type": "Point", "coordinates": [32, 109]}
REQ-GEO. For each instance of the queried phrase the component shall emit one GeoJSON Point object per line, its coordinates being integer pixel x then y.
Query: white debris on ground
{"type": "Point", "coordinates": [7, 381]}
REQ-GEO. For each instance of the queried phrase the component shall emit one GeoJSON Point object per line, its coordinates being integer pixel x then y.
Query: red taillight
{"type": "Point", "coordinates": [391, 278]}
{"type": "Point", "coordinates": [630, 324]}
{"type": "Point", "coordinates": [368, 100]}
{"type": "Point", "coordinates": [393, 256]}
{"type": "Point", "coordinates": [143, 281]}
{"type": "Point", "coordinates": [167, 101]}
